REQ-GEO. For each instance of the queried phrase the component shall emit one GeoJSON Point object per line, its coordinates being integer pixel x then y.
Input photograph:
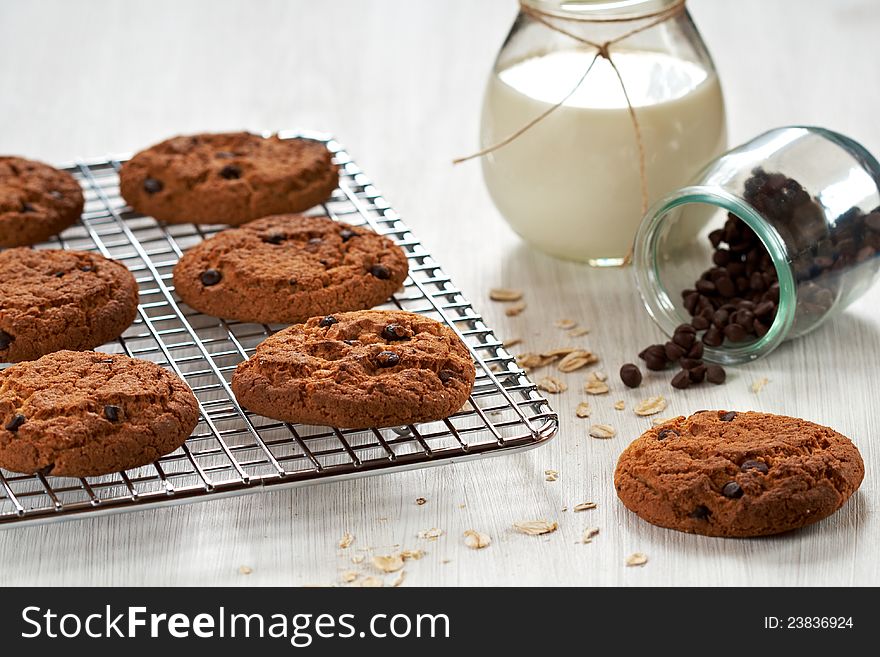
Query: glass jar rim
{"type": "Point", "coordinates": [600, 9]}
{"type": "Point", "coordinates": [657, 299]}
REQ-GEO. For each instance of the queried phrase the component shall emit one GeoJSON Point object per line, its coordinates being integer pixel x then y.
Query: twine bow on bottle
{"type": "Point", "coordinates": [603, 50]}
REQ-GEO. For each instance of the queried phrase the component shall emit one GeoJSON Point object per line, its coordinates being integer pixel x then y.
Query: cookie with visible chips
{"type": "Point", "coordinates": [724, 473]}
{"type": "Point", "coordinates": [371, 368]}
{"type": "Point", "coordinates": [227, 178]}
{"type": "Point", "coordinates": [287, 268]}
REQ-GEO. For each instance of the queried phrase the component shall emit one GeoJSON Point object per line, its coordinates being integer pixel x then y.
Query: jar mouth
{"type": "Point", "coordinates": [657, 299]}
{"type": "Point", "coordinates": [600, 9]}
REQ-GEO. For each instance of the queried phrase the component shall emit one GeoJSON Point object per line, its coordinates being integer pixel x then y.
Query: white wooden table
{"type": "Point", "coordinates": [400, 83]}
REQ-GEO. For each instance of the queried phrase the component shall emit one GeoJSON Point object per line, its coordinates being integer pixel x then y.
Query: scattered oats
{"type": "Point", "coordinates": [551, 475]}
{"type": "Point", "coordinates": [602, 431]}
{"type": "Point", "coordinates": [596, 387]}
{"type": "Point", "coordinates": [576, 360]}
{"type": "Point", "coordinates": [637, 559]}
{"type": "Point", "coordinates": [509, 344]}
{"type": "Point", "coordinates": [430, 534]}
{"type": "Point", "coordinates": [559, 352]}
{"type": "Point", "coordinates": [245, 570]}
{"type": "Point", "coordinates": [358, 558]}
{"type": "Point", "coordinates": [346, 540]}
{"type": "Point", "coordinates": [406, 555]}
{"type": "Point", "coordinates": [565, 324]}
{"type": "Point", "coordinates": [657, 421]}
{"type": "Point", "coordinates": [399, 579]}
{"type": "Point", "coordinates": [552, 385]}
{"type": "Point", "coordinates": [758, 386]}
{"type": "Point", "coordinates": [476, 540]}
{"type": "Point", "coordinates": [515, 309]}
{"type": "Point", "coordinates": [583, 409]}
{"type": "Point", "coordinates": [579, 332]}
{"type": "Point", "coordinates": [504, 294]}
{"type": "Point", "coordinates": [531, 361]}
{"type": "Point", "coordinates": [389, 563]}
{"type": "Point", "coordinates": [619, 405]}
{"type": "Point", "coordinates": [650, 406]}
{"type": "Point", "coordinates": [598, 375]}
{"type": "Point", "coordinates": [589, 534]}
{"type": "Point", "coordinates": [535, 527]}
{"type": "Point", "coordinates": [584, 506]}
{"type": "Point", "coordinates": [371, 582]}
{"type": "Point", "coordinates": [421, 500]}
{"type": "Point", "coordinates": [349, 576]}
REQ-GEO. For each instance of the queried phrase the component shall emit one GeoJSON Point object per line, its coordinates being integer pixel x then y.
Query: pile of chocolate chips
{"type": "Point", "coordinates": [736, 299]}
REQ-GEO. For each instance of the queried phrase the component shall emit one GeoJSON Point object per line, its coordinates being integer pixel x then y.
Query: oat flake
{"type": "Point", "coordinates": [476, 540]}
{"type": "Point", "coordinates": [349, 576]}
{"type": "Point", "coordinates": [650, 406]}
{"type": "Point", "coordinates": [576, 360]}
{"type": "Point", "coordinates": [358, 558]}
{"type": "Point", "coordinates": [619, 405]}
{"type": "Point", "coordinates": [596, 387]}
{"type": "Point", "coordinates": [589, 534]}
{"type": "Point", "coordinates": [346, 540]}
{"type": "Point", "coordinates": [515, 309]}
{"type": "Point", "coordinates": [245, 570]}
{"type": "Point", "coordinates": [579, 332]}
{"type": "Point", "coordinates": [758, 386]}
{"type": "Point", "coordinates": [430, 534]}
{"type": "Point", "coordinates": [504, 294]}
{"type": "Point", "coordinates": [552, 385]}
{"type": "Point", "coordinates": [584, 506]}
{"type": "Point", "coordinates": [637, 559]}
{"type": "Point", "coordinates": [412, 554]}
{"type": "Point", "coordinates": [389, 563]}
{"type": "Point", "coordinates": [657, 421]}
{"type": "Point", "coordinates": [509, 344]}
{"type": "Point", "coordinates": [551, 475]}
{"type": "Point", "coordinates": [602, 431]}
{"type": "Point", "coordinates": [371, 582]}
{"type": "Point", "coordinates": [535, 527]}
{"type": "Point", "coordinates": [583, 409]}
{"type": "Point", "coordinates": [565, 324]}
{"type": "Point", "coordinates": [399, 579]}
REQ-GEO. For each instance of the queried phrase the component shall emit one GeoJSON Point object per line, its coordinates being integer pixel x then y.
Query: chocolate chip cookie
{"type": "Point", "coordinates": [286, 268]}
{"type": "Point", "coordinates": [228, 178]}
{"type": "Point", "coordinates": [36, 201]}
{"type": "Point", "coordinates": [723, 473]}
{"type": "Point", "coordinates": [55, 299]}
{"type": "Point", "coordinates": [81, 413]}
{"type": "Point", "coordinates": [372, 368]}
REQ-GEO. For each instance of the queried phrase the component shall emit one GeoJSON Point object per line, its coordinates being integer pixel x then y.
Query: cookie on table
{"type": "Point", "coordinates": [57, 299]}
{"type": "Point", "coordinates": [371, 368]}
{"type": "Point", "coordinates": [724, 473]}
{"type": "Point", "coordinates": [36, 201]}
{"type": "Point", "coordinates": [82, 413]}
{"type": "Point", "coordinates": [228, 178]}
{"type": "Point", "coordinates": [286, 268]}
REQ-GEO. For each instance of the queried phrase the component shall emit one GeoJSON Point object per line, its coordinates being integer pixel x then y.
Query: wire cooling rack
{"type": "Point", "coordinates": [231, 450]}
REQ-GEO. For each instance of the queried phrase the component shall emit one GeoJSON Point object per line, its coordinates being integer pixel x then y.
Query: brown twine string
{"type": "Point", "coordinates": [602, 50]}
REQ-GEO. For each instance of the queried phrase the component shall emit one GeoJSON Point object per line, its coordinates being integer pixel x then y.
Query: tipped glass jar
{"type": "Point", "coordinates": [771, 240]}
{"type": "Point", "coordinates": [570, 184]}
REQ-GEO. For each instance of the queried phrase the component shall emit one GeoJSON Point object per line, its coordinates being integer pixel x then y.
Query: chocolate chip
{"type": "Point", "coordinates": [230, 172]}
{"type": "Point", "coordinates": [17, 420]}
{"type": "Point", "coordinates": [751, 464]}
{"type": "Point", "coordinates": [673, 351]}
{"type": "Point", "coordinates": [700, 323]}
{"type": "Point", "coordinates": [292, 281]}
{"type": "Point", "coordinates": [715, 374]}
{"type": "Point", "coordinates": [667, 433]}
{"type": "Point", "coordinates": [690, 363]}
{"type": "Point", "coordinates": [329, 320]}
{"type": "Point", "coordinates": [681, 380]}
{"type": "Point", "coordinates": [394, 332]}
{"type": "Point", "coordinates": [387, 359]}
{"type": "Point", "coordinates": [735, 333]}
{"type": "Point", "coordinates": [701, 513]}
{"type": "Point", "coordinates": [697, 374]}
{"type": "Point", "coordinates": [59, 274]}
{"type": "Point", "coordinates": [728, 417]}
{"type": "Point", "coordinates": [5, 340]}
{"type": "Point", "coordinates": [87, 268]}
{"type": "Point", "coordinates": [350, 343]}
{"type": "Point", "coordinates": [345, 234]}
{"type": "Point", "coordinates": [112, 412]}
{"type": "Point", "coordinates": [713, 337]}
{"type": "Point", "coordinates": [631, 375]}
{"type": "Point", "coordinates": [153, 186]}
{"type": "Point", "coordinates": [381, 272]}
{"type": "Point", "coordinates": [732, 490]}
{"type": "Point", "coordinates": [273, 238]}
{"type": "Point", "coordinates": [210, 277]}
{"type": "Point", "coordinates": [27, 207]}
{"type": "Point", "coordinates": [446, 376]}
{"type": "Point", "coordinates": [696, 351]}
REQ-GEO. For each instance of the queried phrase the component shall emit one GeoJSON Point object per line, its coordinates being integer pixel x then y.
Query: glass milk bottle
{"type": "Point", "coordinates": [561, 145]}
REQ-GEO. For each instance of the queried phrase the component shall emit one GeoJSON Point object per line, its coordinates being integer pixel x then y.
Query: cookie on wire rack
{"type": "Point", "coordinates": [83, 413]}
{"type": "Point", "coordinates": [36, 201]}
{"type": "Point", "coordinates": [227, 178]}
{"type": "Point", "coordinates": [286, 268]}
{"type": "Point", "coordinates": [56, 299]}
{"type": "Point", "coordinates": [370, 368]}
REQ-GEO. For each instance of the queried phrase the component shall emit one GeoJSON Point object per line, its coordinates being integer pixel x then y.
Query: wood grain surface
{"type": "Point", "coordinates": [400, 83]}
